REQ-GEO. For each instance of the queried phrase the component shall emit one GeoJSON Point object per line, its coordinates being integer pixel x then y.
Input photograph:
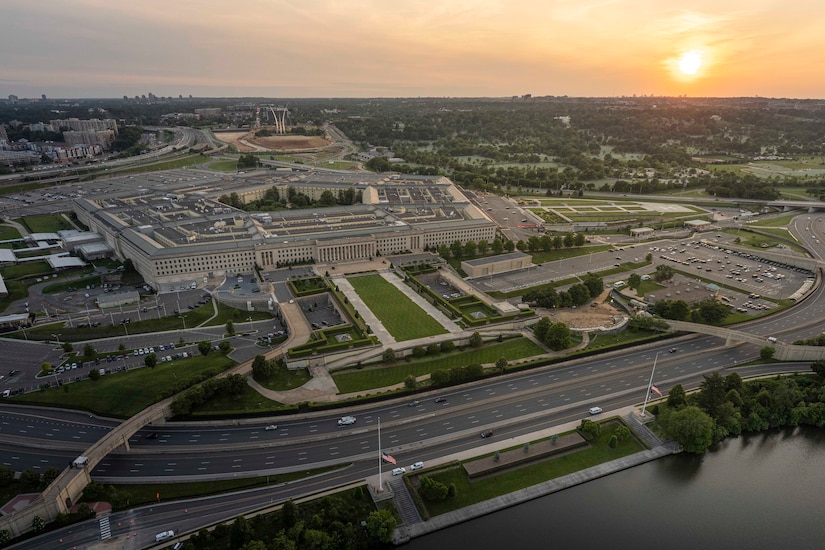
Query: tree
{"type": "Point", "coordinates": [410, 382]}
{"type": "Point", "coordinates": [45, 367]}
{"type": "Point", "coordinates": [589, 428]}
{"type": "Point", "coordinates": [634, 281]}
{"type": "Point", "coordinates": [447, 346]}
{"type": "Point", "coordinates": [68, 347]}
{"type": "Point", "coordinates": [150, 360]}
{"type": "Point", "coordinates": [204, 347]}
{"type": "Point", "coordinates": [89, 352]}
{"type": "Point", "coordinates": [388, 356]}
{"type": "Point", "coordinates": [230, 328]}
{"type": "Point", "coordinates": [94, 374]}
{"type": "Point", "coordinates": [381, 524]}
{"type": "Point", "coordinates": [663, 272]}
{"type": "Point", "coordinates": [558, 337]}
{"type": "Point", "coordinates": [38, 524]}
{"type": "Point", "coordinates": [819, 367]}
{"type": "Point", "coordinates": [225, 347]}
{"type": "Point", "coordinates": [501, 364]}
{"type": "Point", "coordinates": [261, 368]}
{"type": "Point", "coordinates": [432, 490]}
{"type": "Point", "coordinates": [121, 348]}
{"type": "Point", "coordinates": [766, 353]}
{"type": "Point", "coordinates": [622, 432]}
{"type": "Point", "coordinates": [29, 480]}
{"type": "Point", "coordinates": [691, 427]}
{"type": "Point", "coordinates": [676, 397]}
{"type": "Point", "coordinates": [475, 340]}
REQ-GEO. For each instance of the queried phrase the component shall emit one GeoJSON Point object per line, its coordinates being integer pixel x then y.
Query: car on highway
{"type": "Point", "coordinates": [152, 435]}
{"type": "Point", "coordinates": [440, 399]}
{"type": "Point", "coordinates": [164, 535]}
{"type": "Point", "coordinates": [413, 404]}
{"type": "Point", "coordinates": [271, 427]}
{"type": "Point", "coordinates": [346, 420]}
{"type": "Point", "coordinates": [673, 350]}
{"type": "Point", "coordinates": [595, 410]}
{"type": "Point", "coordinates": [416, 466]}
{"type": "Point", "coordinates": [487, 433]}
{"type": "Point", "coordinates": [399, 471]}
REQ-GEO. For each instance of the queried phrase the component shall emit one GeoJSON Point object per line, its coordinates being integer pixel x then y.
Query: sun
{"type": "Point", "coordinates": [690, 62]}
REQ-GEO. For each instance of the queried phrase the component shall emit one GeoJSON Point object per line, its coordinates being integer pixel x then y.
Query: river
{"type": "Point", "coordinates": [763, 491]}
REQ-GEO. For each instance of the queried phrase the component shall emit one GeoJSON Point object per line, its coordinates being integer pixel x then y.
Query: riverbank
{"type": "Point", "coordinates": [413, 526]}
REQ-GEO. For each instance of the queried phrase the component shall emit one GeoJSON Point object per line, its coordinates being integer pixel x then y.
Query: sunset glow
{"type": "Point", "coordinates": [369, 48]}
{"type": "Point", "coordinates": [690, 62]}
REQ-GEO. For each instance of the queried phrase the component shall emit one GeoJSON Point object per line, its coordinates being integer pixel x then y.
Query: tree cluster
{"type": "Point", "coordinates": [232, 386]}
{"type": "Point", "coordinates": [556, 336]}
{"type": "Point", "coordinates": [728, 405]}
{"type": "Point", "coordinates": [578, 294]}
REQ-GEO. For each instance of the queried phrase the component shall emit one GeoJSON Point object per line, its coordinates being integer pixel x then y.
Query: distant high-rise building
{"type": "Point", "coordinates": [13, 99]}
{"type": "Point", "coordinates": [43, 97]}
{"type": "Point", "coordinates": [4, 137]}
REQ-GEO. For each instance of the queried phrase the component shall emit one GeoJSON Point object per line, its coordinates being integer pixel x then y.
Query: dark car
{"type": "Point", "coordinates": [486, 434]}
{"type": "Point", "coordinates": [152, 435]}
{"type": "Point", "coordinates": [440, 399]}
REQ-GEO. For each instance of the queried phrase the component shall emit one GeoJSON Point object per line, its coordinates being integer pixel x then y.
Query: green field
{"type": "Point", "coordinates": [468, 493]}
{"type": "Point", "coordinates": [49, 223]}
{"type": "Point", "coordinates": [125, 394]}
{"type": "Point", "coordinates": [354, 380]}
{"type": "Point", "coordinates": [224, 165]}
{"type": "Point", "coordinates": [399, 315]}
{"type": "Point", "coordinates": [8, 233]}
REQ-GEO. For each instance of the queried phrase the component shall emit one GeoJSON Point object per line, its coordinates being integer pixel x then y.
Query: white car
{"type": "Point", "coordinates": [346, 420]}
{"type": "Point", "coordinates": [271, 427]}
{"type": "Point", "coordinates": [399, 471]}
{"type": "Point", "coordinates": [595, 410]}
{"type": "Point", "coordinates": [416, 466]}
{"type": "Point", "coordinates": [164, 535]}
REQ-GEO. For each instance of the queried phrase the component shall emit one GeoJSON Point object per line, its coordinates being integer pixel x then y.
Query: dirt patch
{"type": "Point", "coordinates": [602, 315]}
{"type": "Point", "coordinates": [289, 142]}
{"type": "Point", "coordinates": [246, 141]}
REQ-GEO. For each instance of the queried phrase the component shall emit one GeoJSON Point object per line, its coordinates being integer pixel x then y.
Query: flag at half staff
{"type": "Point", "coordinates": [388, 458]}
{"type": "Point", "coordinates": [655, 390]}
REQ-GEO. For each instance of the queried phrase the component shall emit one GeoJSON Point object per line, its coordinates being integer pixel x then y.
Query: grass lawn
{"type": "Point", "coordinates": [354, 380]}
{"type": "Point", "coordinates": [286, 379]}
{"type": "Point", "coordinates": [778, 221]}
{"type": "Point", "coordinates": [7, 233]}
{"type": "Point", "coordinates": [25, 270]}
{"type": "Point", "coordinates": [468, 493]}
{"type": "Point", "coordinates": [249, 402]}
{"type": "Point", "coordinates": [238, 317]}
{"type": "Point", "coordinates": [224, 165]}
{"type": "Point", "coordinates": [609, 341]}
{"type": "Point", "coordinates": [48, 223]}
{"type": "Point", "coordinates": [124, 394]}
{"type": "Point", "coordinates": [62, 286]}
{"type": "Point", "coordinates": [400, 315]}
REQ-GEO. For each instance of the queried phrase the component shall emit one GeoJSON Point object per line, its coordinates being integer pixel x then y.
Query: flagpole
{"type": "Point", "coordinates": [649, 384]}
{"type": "Point", "coordinates": [380, 480]}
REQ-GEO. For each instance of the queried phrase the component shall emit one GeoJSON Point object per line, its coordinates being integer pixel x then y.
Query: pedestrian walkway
{"type": "Point", "coordinates": [403, 501]}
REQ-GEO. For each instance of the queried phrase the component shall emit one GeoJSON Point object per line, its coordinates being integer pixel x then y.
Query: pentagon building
{"type": "Point", "coordinates": [176, 231]}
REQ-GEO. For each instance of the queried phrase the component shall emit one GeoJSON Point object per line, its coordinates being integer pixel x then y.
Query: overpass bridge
{"type": "Point", "coordinates": [784, 351]}
{"type": "Point", "coordinates": [67, 488]}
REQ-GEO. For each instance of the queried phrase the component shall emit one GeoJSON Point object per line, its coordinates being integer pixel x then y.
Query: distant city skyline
{"type": "Point", "coordinates": [371, 48]}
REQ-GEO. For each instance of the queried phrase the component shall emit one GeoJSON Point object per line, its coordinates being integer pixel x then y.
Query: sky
{"type": "Point", "coordinates": [412, 48]}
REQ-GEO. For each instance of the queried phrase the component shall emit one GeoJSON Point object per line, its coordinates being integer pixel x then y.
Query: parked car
{"type": "Point", "coordinates": [416, 466]}
{"type": "Point", "coordinates": [346, 420]}
{"type": "Point", "coordinates": [399, 471]}
{"type": "Point", "coordinates": [595, 410]}
{"type": "Point", "coordinates": [487, 433]}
